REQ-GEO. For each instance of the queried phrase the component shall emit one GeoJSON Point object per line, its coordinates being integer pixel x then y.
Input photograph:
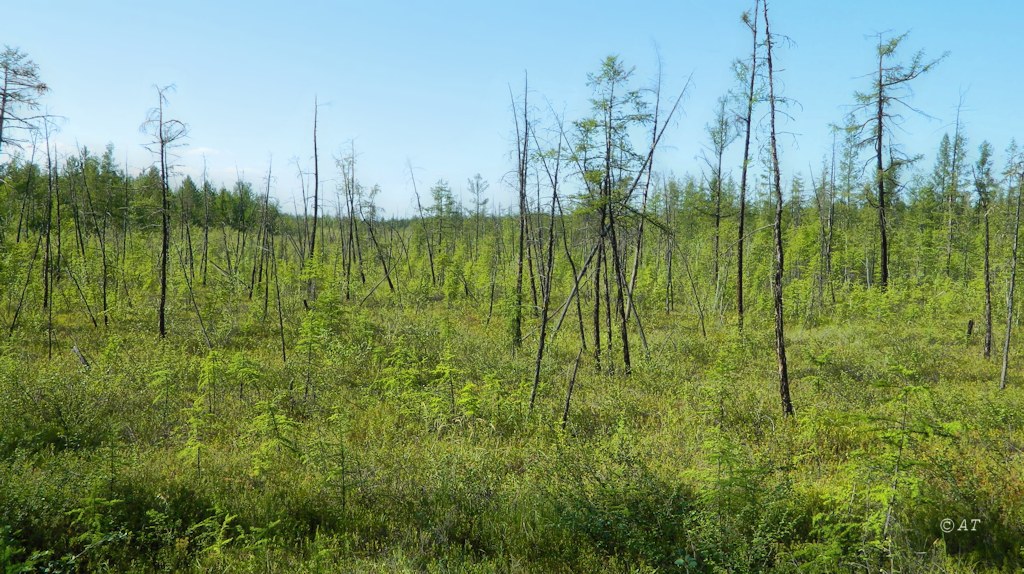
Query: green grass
{"type": "Point", "coordinates": [397, 437]}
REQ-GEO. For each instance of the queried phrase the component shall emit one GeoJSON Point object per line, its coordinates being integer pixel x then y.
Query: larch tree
{"type": "Point", "coordinates": [19, 94]}
{"type": "Point", "coordinates": [720, 134]}
{"type": "Point", "coordinates": [955, 167]}
{"type": "Point", "coordinates": [477, 187]}
{"type": "Point", "coordinates": [881, 106]}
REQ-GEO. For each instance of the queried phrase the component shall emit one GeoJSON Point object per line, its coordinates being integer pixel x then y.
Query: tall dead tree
{"type": "Point", "coordinates": [522, 161]}
{"type": "Point", "coordinates": [549, 266]}
{"type": "Point", "coordinates": [368, 214]}
{"type": "Point", "coordinates": [1013, 282]}
{"type": "Point", "coordinates": [167, 132]}
{"type": "Point", "coordinates": [206, 223]}
{"type": "Point", "coordinates": [780, 340]}
{"type": "Point", "coordinates": [423, 223]}
{"type": "Point", "coordinates": [751, 70]}
{"type": "Point", "coordinates": [311, 287]}
{"type": "Point", "coordinates": [51, 177]}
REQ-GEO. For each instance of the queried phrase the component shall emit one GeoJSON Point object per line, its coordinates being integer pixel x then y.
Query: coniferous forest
{"type": "Point", "coordinates": [713, 369]}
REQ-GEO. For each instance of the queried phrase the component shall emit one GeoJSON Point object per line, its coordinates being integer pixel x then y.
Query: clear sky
{"type": "Point", "coordinates": [428, 82]}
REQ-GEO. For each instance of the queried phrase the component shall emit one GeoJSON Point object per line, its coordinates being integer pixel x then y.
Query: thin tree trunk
{"type": "Point", "coordinates": [280, 313]}
{"type": "Point", "coordinates": [578, 276]}
{"type": "Point", "coordinates": [24, 289]}
{"type": "Point", "coordinates": [192, 298]}
{"type": "Point", "coordinates": [780, 341]}
{"type": "Point", "coordinates": [521, 150]}
{"type": "Point", "coordinates": [206, 223]}
{"type": "Point", "coordinates": [165, 241]}
{"type": "Point", "coordinates": [572, 383]}
{"type": "Point", "coordinates": [311, 287]}
{"type": "Point", "coordinates": [49, 221]}
{"type": "Point", "coordinates": [1013, 282]}
{"type": "Point", "coordinates": [748, 125]}
{"type": "Point", "coordinates": [426, 229]}
{"type": "Point", "coordinates": [546, 289]}
{"type": "Point", "coordinates": [619, 300]}
{"type": "Point", "coordinates": [880, 175]}
{"type": "Point", "coordinates": [988, 293]}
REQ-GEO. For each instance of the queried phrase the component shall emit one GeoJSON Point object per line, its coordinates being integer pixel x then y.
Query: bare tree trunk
{"type": "Point", "coordinates": [780, 341]}
{"type": "Point", "coordinates": [1013, 282]}
{"type": "Point", "coordinates": [597, 297]}
{"type": "Point", "coordinates": [530, 264]}
{"type": "Point", "coordinates": [280, 313]}
{"type": "Point", "coordinates": [380, 254]}
{"type": "Point", "coordinates": [311, 287]}
{"type": "Point", "coordinates": [572, 383]}
{"type": "Point", "coordinates": [261, 236]}
{"type": "Point", "coordinates": [880, 174]}
{"type": "Point", "coordinates": [49, 219]}
{"type": "Point", "coordinates": [192, 298]}
{"type": "Point", "coordinates": [426, 229]}
{"type": "Point", "coordinates": [696, 297]}
{"type": "Point", "coordinates": [24, 289]}
{"type": "Point", "coordinates": [353, 223]}
{"type": "Point", "coordinates": [546, 289]}
{"type": "Point", "coordinates": [206, 223]}
{"type": "Point", "coordinates": [831, 224]}
{"type": "Point", "coordinates": [619, 300]}
{"type": "Point", "coordinates": [165, 241]}
{"type": "Point", "coordinates": [748, 125]}
{"type": "Point", "coordinates": [670, 210]}
{"type": "Point", "coordinates": [954, 191]}
{"type": "Point", "coordinates": [578, 276]}
{"type": "Point", "coordinates": [988, 292]}
{"type": "Point", "coordinates": [521, 150]}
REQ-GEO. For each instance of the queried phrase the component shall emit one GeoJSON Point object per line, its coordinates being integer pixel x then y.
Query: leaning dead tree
{"type": "Point", "coordinates": [522, 161]}
{"type": "Point", "coordinates": [167, 133]}
{"type": "Point", "coordinates": [747, 128]}
{"type": "Point", "coordinates": [780, 338]}
{"type": "Point", "coordinates": [311, 286]}
{"type": "Point", "coordinates": [552, 172]}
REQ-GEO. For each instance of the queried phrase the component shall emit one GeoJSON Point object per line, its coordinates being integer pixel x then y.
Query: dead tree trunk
{"type": "Point", "coordinates": [1013, 282]}
{"type": "Point", "coordinates": [983, 183]}
{"type": "Point", "coordinates": [206, 223]}
{"type": "Point", "coordinates": [748, 127]}
{"type": "Point", "coordinates": [522, 141]}
{"type": "Point", "coordinates": [311, 287]}
{"type": "Point", "coordinates": [425, 227]}
{"type": "Point", "coordinates": [780, 341]}
{"type": "Point", "coordinates": [167, 132]}
{"type": "Point", "coordinates": [546, 298]}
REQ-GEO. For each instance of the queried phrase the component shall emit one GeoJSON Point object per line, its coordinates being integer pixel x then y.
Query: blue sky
{"type": "Point", "coordinates": [429, 83]}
